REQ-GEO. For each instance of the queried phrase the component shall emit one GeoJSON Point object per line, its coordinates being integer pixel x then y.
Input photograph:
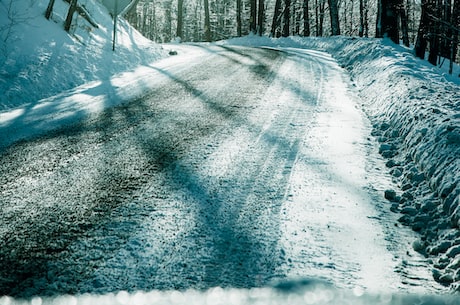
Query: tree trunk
{"type": "Point", "coordinates": [320, 8]}
{"type": "Point", "coordinates": [238, 18]}
{"type": "Point", "coordinates": [253, 17]}
{"type": "Point", "coordinates": [361, 18]}
{"type": "Point", "coordinates": [421, 42]}
{"type": "Point", "coordinates": [334, 11]}
{"type": "Point", "coordinates": [287, 18]}
{"type": "Point", "coordinates": [207, 22]}
{"type": "Point", "coordinates": [180, 18]}
{"type": "Point", "coordinates": [378, 22]}
{"type": "Point", "coordinates": [456, 24]}
{"type": "Point", "coordinates": [404, 26]}
{"type": "Point", "coordinates": [276, 24]}
{"type": "Point", "coordinates": [49, 9]}
{"type": "Point", "coordinates": [261, 18]}
{"type": "Point", "coordinates": [434, 35]}
{"type": "Point", "coordinates": [168, 21]}
{"type": "Point", "coordinates": [387, 20]}
{"type": "Point", "coordinates": [68, 20]}
{"type": "Point", "coordinates": [306, 19]}
{"type": "Point", "coordinates": [366, 18]}
{"type": "Point", "coordinates": [297, 18]}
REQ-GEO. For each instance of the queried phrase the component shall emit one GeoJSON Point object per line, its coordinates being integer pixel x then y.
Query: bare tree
{"type": "Point", "coordinates": [49, 9]}
{"type": "Point", "coordinates": [306, 18]}
{"type": "Point", "coordinates": [287, 17]}
{"type": "Point", "coordinates": [70, 12]}
{"type": "Point", "coordinates": [180, 18]}
{"type": "Point", "coordinates": [404, 23]}
{"type": "Point", "coordinates": [277, 16]}
{"type": "Point", "coordinates": [319, 13]}
{"type": "Point", "coordinates": [363, 18]}
{"type": "Point", "coordinates": [207, 21]}
{"type": "Point", "coordinates": [387, 22]}
{"type": "Point", "coordinates": [261, 17]}
{"type": "Point", "coordinates": [253, 16]}
{"type": "Point", "coordinates": [334, 12]}
{"type": "Point", "coordinates": [422, 42]}
{"type": "Point", "coordinates": [238, 18]}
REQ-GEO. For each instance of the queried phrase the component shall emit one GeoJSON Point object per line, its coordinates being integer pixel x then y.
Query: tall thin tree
{"type": "Point", "coordinates": [287, 18]}
{"type": "Point", "coordinates": [261, 18]}
{"type": "Point", "coordinates": [276, 23]}
{"type": "Point", "coordinates": [422, 33]}
{"type": "Point", "coordinates": [455, 33]}
{"type": "Point", "coordinates": [334, 12]}
{"type": "Point", "coordinates": [180, 18]}
{"type": "Point", "coordinates": [253, 16]}
{"type": "Point", "coordinates": [306, 18]}
{"type": "Point", "coordinates": [49, 9]}
{"type": "Point", "coordinates": [361, 18]}
{"type": "Point", "coordinates": [404, 22]}
{"type": "Point", "coordinates": [435, 32]}
{"type": "Point", "coordinates": [207, 21]}
{"type": "Point", "coordinates": [238, 18]}
{"type": "Point", "coordinates": [70, 12]}
{"type": "Point", "coordinates": [387, 21]}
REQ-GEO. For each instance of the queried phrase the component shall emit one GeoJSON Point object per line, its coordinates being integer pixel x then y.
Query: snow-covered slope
{"type": "Point", "coordinates": [415, 109]}
{"type": "Point", "coordinates": [38, 59]}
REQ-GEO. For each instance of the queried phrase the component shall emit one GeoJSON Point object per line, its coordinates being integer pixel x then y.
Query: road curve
{"type": "Point", "coordinates": [225, 174]}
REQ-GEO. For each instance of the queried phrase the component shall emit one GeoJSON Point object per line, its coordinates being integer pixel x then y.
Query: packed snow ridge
{"type": "Point", "coordinates": [415, 110]}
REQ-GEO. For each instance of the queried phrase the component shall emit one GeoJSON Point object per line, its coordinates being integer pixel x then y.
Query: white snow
{"type": "Point", "coordinates": [48, 75]}
{"type": "Point", "coordinates": [412, 106]}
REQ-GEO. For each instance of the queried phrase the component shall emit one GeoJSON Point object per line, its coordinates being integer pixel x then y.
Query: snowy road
{"type": "Point", "coordinates": [239, 168]}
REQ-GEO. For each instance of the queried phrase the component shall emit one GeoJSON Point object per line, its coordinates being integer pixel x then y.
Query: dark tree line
{"type": "Point", "coordinates": [432, 25]}
{"type": "Point", "coordinates": [205, 20]}
{"type": "Point", "coordinates": [438, 30]}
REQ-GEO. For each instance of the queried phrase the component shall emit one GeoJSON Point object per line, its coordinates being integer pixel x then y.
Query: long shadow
{"type": "Point", "coordinates": [264, 71]}
{"type": "Point", "coordinates": [259, 67]}
{"type": "Point", "coordinates": [238, 258]}
{"type": "Point", "coordinates": [31, 261]}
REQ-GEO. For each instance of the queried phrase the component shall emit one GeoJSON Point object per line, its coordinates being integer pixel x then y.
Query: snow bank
{"type": "Point", "coordinates": [38, 59]}
{"type": "Point", "coordinates": [415, 110]}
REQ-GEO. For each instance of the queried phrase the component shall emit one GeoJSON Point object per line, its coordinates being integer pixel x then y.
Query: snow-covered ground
{"type": "Point", "coordinates": [415, 110]}
{"type": "Point", "coordinates": [44, 70]}
{"type": "Point", "coordinates": [329, 158]}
